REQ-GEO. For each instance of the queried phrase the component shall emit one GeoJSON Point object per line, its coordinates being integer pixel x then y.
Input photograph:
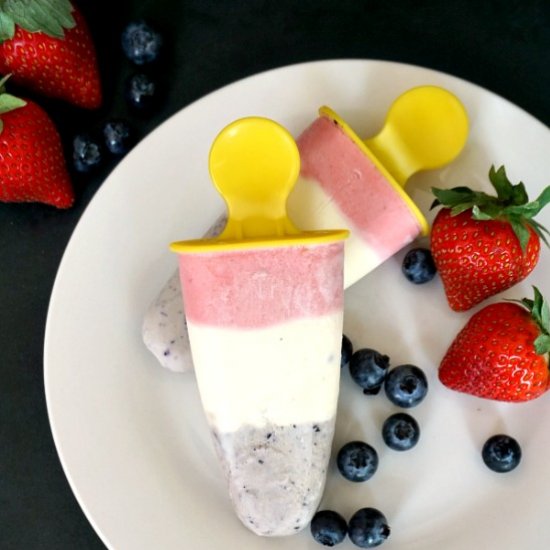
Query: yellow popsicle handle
{"type": "Point", "coordinates": [254, 163]}
{"type": "Point", "coordinates": [425, 128]}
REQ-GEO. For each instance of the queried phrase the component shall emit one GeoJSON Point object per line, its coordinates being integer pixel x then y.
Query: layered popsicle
{"type": "Point", "coordinates": [264, 307]}
{"type": "Point", "coordinates": [341, 182]}
{"type": "Point", "coordinates": [347, 182]}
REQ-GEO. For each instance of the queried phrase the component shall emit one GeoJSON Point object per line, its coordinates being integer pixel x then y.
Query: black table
{"type": "Point", "coordinates": [503, 46]}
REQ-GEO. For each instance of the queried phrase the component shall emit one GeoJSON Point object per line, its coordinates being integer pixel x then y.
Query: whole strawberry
{"type": "Point", "coordinates": [32, 166]}
{"type": "Point", "coordinates": [46, 46]}
{"type": "Point", "coordinates": [483, 244]}
{"type": "Point", "coordinates": [502, 352]}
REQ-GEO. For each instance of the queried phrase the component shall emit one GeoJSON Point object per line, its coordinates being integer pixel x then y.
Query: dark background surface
{"type": "Point", "coordinates": [502, 46]}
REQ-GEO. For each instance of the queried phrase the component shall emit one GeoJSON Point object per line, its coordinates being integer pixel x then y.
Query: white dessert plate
{"type": "Point", "coordinates": [132, 437]}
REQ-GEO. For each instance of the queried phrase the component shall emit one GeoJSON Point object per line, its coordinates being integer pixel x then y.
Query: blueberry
{"type": "Point", "coordinates": [118, 136]}
{"type": "Point", "coordinates": [141, 91]}
{"type": "Point", "coordinates": [86, 153]}
{"type": "Point", "coordinates": [357, 461]}
{"type": "Point", "coordinates": [328, 527]}
{"type": "Point", "coordinates": [141, 44]}
{"type": "Point", "coordinates": [368, 368]}
{"type": "Point", "coordinates": [368, 528]}
{"type": "Point", "coordinates": [347, 350]}
{"type": "Point", "coordinates": [400, 432]}
{"type": "Point", "coordinates": [418, 266]}
{"type": "Point", "coordinates": [406, 386]}
{"type": "Point", "coordinates": [501, 453]}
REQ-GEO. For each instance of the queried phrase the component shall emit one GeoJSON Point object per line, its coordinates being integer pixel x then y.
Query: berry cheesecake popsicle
{"type": "Point", "coordinates": [264, 307]}
{"type": "Point", "coordinates": [352, 183]}
{"type": "Point", "coordinates": [359, 184]}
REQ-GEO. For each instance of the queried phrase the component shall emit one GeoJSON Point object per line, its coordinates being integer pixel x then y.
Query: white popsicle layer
{"type": "Point", "coordinates": [289, 372]}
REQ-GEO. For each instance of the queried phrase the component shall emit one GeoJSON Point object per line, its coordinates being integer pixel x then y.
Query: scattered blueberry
{"type": "Point", "coordinates": [501, 453]}
{"type": "Point", "coordinates": [118, 136]}
{"type": "Point", "coordinates": [141, 91]}
{"type": "Point", "coordinates": [368, 528]}
{"type": "Point", "coordinates": [86, 153]}
{"type": "Point", "coordinates": [357, 461]}
{"type": "Point", "coordinates": [141, 44]}
{"type": "Point", "coordinates": [328, 527]}
{"type": "Point", "coordinates": [368, 368]}
{"type": "Point", "coordinates": [347, 350]}
{"type": "Point", "coordinates": [406, 386]}
{"type": "Point", "coordinates": [400, 432]}
{"type": "Point", "coordinates": [418, 266]}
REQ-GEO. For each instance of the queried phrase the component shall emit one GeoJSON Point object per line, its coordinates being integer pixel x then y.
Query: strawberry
{"type": "Point", "coordinates": [502, 352]}
{"type": "Point", "coordinates": [47, 47]}
{"type": "Point", "coordinates": [483, 244]}
{"type": "Point", "coordinates": [32, 166]}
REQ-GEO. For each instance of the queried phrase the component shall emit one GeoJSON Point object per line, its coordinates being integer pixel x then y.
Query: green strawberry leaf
{"type": "Point", "coordinates": [458, 209]}
{"type": "Point", "coordinates": [525, 210]}
{"type": "Point", "coordinates": [478, 214]}
{"type": "Point", "coordinates": [501, 183]}
{"type": "Point", "coordinates": [51, 17]}
{"type": "Point", "coordinates": [545, 315]}
{"type": "Point", "coordinates": [540, 312]}
{"type": "Point", "coordinates": [522, 233]}
{"type": "Point", "coordinates": [454, 196]}
{"type": "Point", "coordinates": [9, 102]}
{"type": "Point", "coordinates": [3, 81]}
{"type": "Point", "coordinates": [487, 211]}
{"type": "Point", "coordinates": [7, 27]}
{"type": "Point", "coordinates": [540, 230]}
{"type": "Point", "coordinates": [542, 344]}
{"type": "Point", "coordinates": [506, 191]}
{"type": "Point", "coordinates": [542, 200]}
{"type": "Point", "coordinates": [540, 226]}
{"type": "Point", "coordinates": [519, 195]}
{"type": "Point", "coordinates": [537, 305]}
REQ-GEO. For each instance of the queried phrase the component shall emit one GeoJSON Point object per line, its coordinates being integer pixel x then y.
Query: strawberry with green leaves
{"type": "Point", "coordinates": [47, 47]}
{"type": "Point", "coordinates": [502, 352]}
{"type": "Point", "coordinates": [483, 244]}
{"type": "Point", "coordinates": [32, 165]}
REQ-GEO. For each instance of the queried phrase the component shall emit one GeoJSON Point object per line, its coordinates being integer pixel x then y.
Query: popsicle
{"type": "Point", "coordinates": [347, 182]}
{"type": "Point", "coordinates": [359, 184]}
{"type": "Point", "coordinates": [264, 307]}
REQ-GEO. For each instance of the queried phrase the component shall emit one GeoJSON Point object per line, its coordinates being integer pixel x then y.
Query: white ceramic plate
{"type": "Point", "coordinates": [132, 437]}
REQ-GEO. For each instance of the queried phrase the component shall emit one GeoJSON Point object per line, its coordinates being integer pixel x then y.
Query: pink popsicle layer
{"type": "Point", "coordinates": [376, 211]}
{"type": "Point", "coordinates": [257, 288]}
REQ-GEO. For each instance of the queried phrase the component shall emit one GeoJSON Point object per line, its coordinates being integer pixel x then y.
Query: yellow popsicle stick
{"type": "Point", "coordinates": [425, 128]}
{"type": "Point", "coordinates": [254, 163]}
